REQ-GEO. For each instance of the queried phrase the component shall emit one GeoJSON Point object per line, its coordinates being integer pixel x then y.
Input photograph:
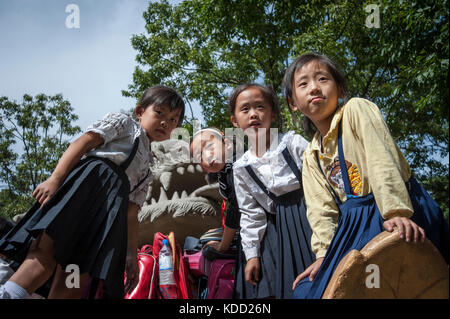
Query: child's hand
{"type": "Point", "coordinates": [311, 271]}
{"type": "Point", "coordinates": [46, 189]}
{"type": "Point", "coordinates": [214, 244]}
{"type": "Point", "coordinates": [406, 228]}
{"type": "Point", "coordinates": [132, 270]}
{"type": "Point", "coordinates": [252, 271]}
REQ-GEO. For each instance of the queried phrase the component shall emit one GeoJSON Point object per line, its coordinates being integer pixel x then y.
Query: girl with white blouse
{"type": "Point", "coordinates": [275, 233]}
{"type": "Point", "coordinates": [86, 211]}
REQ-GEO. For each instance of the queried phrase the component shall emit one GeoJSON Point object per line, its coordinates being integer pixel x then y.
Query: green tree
{"type": "Point", "coordinates": [204, 48]}
{"type": "Point", "coordinates": [33, 136]}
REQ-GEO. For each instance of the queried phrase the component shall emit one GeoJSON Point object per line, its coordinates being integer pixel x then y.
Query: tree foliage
{"type": "Point", "coordinates": [204, 48]}
{"type": "Point", "coordinates": [33, 136]}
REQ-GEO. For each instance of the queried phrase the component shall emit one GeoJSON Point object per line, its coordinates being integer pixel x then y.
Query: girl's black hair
{"type": "Point", "coordinates": [163, 95]}
{"type": "Point", "coordinates": [288, 81]}
{"type": "Point", "coordinates": [267, 92]}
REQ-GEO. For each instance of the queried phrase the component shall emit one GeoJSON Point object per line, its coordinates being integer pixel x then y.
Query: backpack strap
{"type": "Point", "coordinates": [252, 174]}
{"type": "Point", "coordinates": [343, 165]}
{"type": "Point", "coordinates": [141, 181]}
{"type": "Point", "coordinates": [127, 162]}
{"type": "Point", "coordinates": [290, 161]}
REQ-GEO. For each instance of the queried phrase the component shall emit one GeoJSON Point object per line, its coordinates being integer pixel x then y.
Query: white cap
{"type": "Point", "coordinates": [211, 130]}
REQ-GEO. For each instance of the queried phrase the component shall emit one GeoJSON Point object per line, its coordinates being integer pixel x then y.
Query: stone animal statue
{"type": "Point", "coordinates": [179, 198]}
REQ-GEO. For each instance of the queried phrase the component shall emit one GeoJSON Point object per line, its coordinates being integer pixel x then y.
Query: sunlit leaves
{"type": "Point", "coordinates": [33, 136]}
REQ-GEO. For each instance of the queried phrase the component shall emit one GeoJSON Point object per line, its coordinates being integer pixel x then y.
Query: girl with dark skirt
{"type": "Point", "coordinates": [275, 233]}
{"type": "Point", "coordinates": [85, 216]}
{"type": "Point", "coordinates": [359, 182]}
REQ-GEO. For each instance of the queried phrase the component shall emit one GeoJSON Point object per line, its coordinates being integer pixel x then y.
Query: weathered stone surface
{"type": "Point", "coordinates": [406, 270]}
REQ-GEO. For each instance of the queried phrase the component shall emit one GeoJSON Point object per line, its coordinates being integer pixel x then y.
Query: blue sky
{"type": "Point", "coordinates": [89, 66]}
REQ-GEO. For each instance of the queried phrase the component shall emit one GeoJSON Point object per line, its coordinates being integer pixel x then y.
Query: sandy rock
{"type": "Point", "coordinates": [406, 270]}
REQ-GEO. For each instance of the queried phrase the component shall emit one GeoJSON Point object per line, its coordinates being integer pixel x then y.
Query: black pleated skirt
{"type": "Point", "coordinates": [285, 251]}
{"type": "Point", "coordinates": [87, 220]}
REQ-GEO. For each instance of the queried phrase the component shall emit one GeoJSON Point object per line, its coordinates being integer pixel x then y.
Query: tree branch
{"type": "Point", "coordinates": [352, 12]}
{"type": "Point", "coordinates": [366, 89]}
{"type": "Point", "coordinates": [201, 70]}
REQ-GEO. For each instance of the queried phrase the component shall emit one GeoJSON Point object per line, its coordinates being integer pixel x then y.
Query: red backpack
{"type": "Point", "coordinates": [148, 274]}
{"type": "Point", "coordinates": [148, 286]}
{"type": "Point", "coordinates": [180, 269]}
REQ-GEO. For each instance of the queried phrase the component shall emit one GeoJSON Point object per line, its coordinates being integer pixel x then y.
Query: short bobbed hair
{"type": "Point", "coordinates": [297, 64]}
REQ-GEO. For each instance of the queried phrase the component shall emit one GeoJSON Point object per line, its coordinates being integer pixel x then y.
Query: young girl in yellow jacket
{"type": "Point", "coordinates": [346, 208]}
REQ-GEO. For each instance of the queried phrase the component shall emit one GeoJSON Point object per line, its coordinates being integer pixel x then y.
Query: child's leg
{"type": "Point", "coordinates": [59, 289]}
{"type": "Point", "coordinates": [38, 266]}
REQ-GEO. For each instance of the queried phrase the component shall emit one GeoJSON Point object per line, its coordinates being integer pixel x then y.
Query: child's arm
{"type": "Point", "coordinates": [322, 211]}
{"type": "Point", "coordinates": [253, 219]}
{"type": "Point", "coordinates": [253, 224]}
{"type": "Point", "coordinates": [232, 218]}
{"type": "Point", "coordinates": [387, 168]}
{"type": "Point", "coordinates": [227, 238]}
{"type": "Point", "coordinates": [224, 244]}
{"type": "Point", "coordinates": [66, 163]}
{"type": "Point", "coordinates": [132, 267]}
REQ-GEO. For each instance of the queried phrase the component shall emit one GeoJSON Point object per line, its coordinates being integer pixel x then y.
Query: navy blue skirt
{"type": "Point", "coordinates": [285, 251]}
{"type": "Point", "coordinates": [266, 285]}
{"type": "Point", "coordinates": [360, 221]}
{"type": "Point", "coordinates": [87, 220]}
{"type": "Point", "coordinates": [429, 216]}
{"type": "Point", "coordinates": [294, 253]}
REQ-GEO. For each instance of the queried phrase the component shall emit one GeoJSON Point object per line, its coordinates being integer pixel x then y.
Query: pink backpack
{"type": "Point", "coordinates": [221, 278]}
{"type": "Point", "coordinates": [218, 267]}
{"type": "Point", "coordinates": [193, 262]}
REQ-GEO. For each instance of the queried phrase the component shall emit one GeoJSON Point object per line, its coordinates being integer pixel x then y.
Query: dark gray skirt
{"type": "Point", "coordinates": [294, 242]}
{"type": "Point", "coordinates": [266, 285]}
{"type": "Point", "coordinates": [285, 251]}
{"type": "Point", "coordinates": [87, 220]}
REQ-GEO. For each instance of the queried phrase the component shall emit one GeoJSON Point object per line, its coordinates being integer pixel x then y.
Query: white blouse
{"type": "Point", "coordinates": [276, 175]}
{"type": "Point", "coordinates": [119, 131]}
